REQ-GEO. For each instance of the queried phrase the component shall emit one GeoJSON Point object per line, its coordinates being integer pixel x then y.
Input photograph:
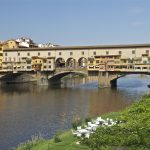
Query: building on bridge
{"type": "Point", "coordinates": [116, 63]}
{"type": "Point", "coordinates": [107, 57]}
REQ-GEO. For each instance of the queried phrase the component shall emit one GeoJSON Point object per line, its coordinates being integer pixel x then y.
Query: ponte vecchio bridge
{"type": "Point", "coordinates": [105, 63]}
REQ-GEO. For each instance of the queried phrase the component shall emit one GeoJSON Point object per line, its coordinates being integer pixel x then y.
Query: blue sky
{"type": "Point", "coordinates": [76, 22]}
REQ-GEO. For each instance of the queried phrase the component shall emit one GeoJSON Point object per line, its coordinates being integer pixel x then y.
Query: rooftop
{"type": "Point", "coordinates": [82, 47]}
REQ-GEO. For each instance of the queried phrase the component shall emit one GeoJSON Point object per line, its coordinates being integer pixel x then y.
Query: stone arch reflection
{"type": "Point", "coordinates": [60, 63]}
{"type": "Point", "coordinates": [71, 63]}
{"type": "Point", "coordinates": [82, 62]}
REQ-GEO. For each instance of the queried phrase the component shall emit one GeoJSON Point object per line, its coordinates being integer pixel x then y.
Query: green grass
{"type": "Point", "coordinates": [68, 143]}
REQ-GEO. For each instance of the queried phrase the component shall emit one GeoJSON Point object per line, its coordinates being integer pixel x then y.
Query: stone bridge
{"type": "Point", "coordinates": [104, 78]}
{"type": "Point", "coordinates": [40, 77]}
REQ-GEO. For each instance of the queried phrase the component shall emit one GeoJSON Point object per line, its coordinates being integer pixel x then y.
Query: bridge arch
{"type": "Point", "coordinates": [56, 78]}
{"type": "Point", "coordinates": [19, 77]}
{"type": "Point", "coordinates": [60, 62]}
{"type": "Point", "coordinates": [71, 62]}
{"type": "Point", "coordinates": [118, 76]}
{"type": "Point", "coordinates": [82, 62]}
{"type": "Point", "coordinates": [10, 76]}
{"type": "Point", "coordinates": [108, 79]}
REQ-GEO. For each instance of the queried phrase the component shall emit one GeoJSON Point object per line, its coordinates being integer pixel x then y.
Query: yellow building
{"type": "Point", "coordinates": [42, 63]}
{"type": "Point", "coordinates": [37, 63]}
{"type": "Point", "coordinates": [103, 63]}
{"type": "Point", "coordinates": [1, 56]}
{"type": "Point", "coordinates": [9, 44]}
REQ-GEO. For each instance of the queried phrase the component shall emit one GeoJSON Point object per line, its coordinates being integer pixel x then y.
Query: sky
{"type": "Point", "coordinates": [76, 22]}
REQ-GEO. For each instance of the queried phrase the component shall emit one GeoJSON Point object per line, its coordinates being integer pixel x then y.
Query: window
{"type": "Point", "coordinates": [97, 61]}
{"type": "Point", "coordinates": [94, 53]}
{"type": "Point", "coordinates": [71, 53]}
{"type": "Point", "coordinates": [28, 60]}
{"type": "Point", "coordinates": [120, 52]}
{"type": "Point", "coordinates": [28, 54]}
{"type": "Point", "coordinates": [5, 54]}
{"type": "Point", "coordinates": [59, 53]}
{"type": "Point", "coordinates": [91, 61]}
{"type": "Point", "coordinates": [38, 53]}
{"type": "Point", "coordinates": [49, 66]}
{"type": "Point", "coordinates": [49, 61]}
{"type": "Point", "coordinates": [82, 53]}
{"type": "Point", "coordinates": [28, 67]}
{"type": "Point", "coordinates": [44, 60]}
{"type": "Point", "coordinates": [107, 52]}
{"type": "Point", "coordinates": [1, 54]}
{"type": "Point", "coordinates": [147, 52]}
{"type": "Point", "coordinates": [49, 53]}
{"type": "Point", "coordinates": [133, 51]}
{"type": "Point", "coordinates": [18, 54]}
{"type": "Point", "coordinates": [45, 67]}
{"type": "Point", "coordinates": [5, 58]}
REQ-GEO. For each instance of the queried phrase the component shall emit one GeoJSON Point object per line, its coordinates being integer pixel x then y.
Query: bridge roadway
{"type": "Point", "coordinates": [104, 78]}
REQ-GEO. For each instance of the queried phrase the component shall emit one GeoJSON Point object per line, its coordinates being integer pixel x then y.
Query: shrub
{"type": "Point", "coordinates": [88, 119]}
{"type": "Point", "coordinates": [76, 123]}
{"type": "Point", "coordinates": [57, 138]}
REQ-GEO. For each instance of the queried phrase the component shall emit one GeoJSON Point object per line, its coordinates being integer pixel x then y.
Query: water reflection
{"type": "Point", "coordinates": [29, 109]}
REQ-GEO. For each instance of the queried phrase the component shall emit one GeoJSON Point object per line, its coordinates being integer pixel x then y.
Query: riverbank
{"type": "Point", "coordinates": [68, 142]}
{"type": "Point", "coordinates": [132, 133]}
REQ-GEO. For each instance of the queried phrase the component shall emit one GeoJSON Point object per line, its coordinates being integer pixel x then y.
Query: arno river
{"type": "Point", "coordinates": [27, 110]}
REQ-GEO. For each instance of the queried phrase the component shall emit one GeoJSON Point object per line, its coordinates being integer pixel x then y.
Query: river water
{"type": "Point", "coordinates": [27, 110]}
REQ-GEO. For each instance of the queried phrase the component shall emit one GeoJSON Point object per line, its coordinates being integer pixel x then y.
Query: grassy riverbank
{"type": "Point", "coordinates": [132, 133]}
{"type": "Point", "coordinates": [68, 142]}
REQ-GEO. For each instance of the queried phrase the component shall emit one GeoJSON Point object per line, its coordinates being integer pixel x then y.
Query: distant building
{"type": "Point", "coordinates": [26, 43]}
{"type": "Point", "coordinates": [47, 45]}
{"type": "Point", "coordinates": [9, 44]}
{"type": "Point", "coordinates": [18, 43]}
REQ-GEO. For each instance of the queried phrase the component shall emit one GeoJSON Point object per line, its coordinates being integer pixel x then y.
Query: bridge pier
{"type": "Point", "coordinates": [107, 79]}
